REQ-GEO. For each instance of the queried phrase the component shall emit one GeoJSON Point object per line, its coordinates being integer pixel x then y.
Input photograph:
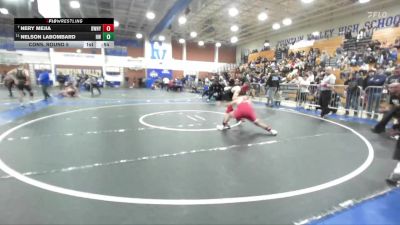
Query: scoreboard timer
{"type": "Point", "coordinates": [64, 32]}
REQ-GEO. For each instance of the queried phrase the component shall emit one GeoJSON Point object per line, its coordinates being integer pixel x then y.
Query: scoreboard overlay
{"type": "Point", "coordinates": [64, 32]}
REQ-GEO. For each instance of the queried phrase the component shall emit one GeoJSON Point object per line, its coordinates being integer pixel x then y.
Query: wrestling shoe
{"type": "Point", "coordinates": [222, 127]}
{"type": "Point", "coordinates": [393, 179]}
{"type": "Point", "coordinates": [272, 132]}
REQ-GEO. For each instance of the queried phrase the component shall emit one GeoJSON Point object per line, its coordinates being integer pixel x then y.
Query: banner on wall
{"type": "Point", "coordinates": [373, 22]}
{"type": "Point", "coordinates": [113, 76]}
{"type": "Point", "coordinates": [156, 74]}
{"type": "Point", "coordinates": [159, 52]}
{"type": "Point", "coordinates": [75, 72]}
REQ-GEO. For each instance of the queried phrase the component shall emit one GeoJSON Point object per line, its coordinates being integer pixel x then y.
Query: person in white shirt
{"type": "Point", "coordinates": [165, 82]}
{"type": "Point", "coordinates": [326, 91]}
{"type": "Point", "coordinates": [207, 81]}
{"type": "Point", "coordinates": [310, 77]}
{"type": "Point", "coordinates": [302, 83]}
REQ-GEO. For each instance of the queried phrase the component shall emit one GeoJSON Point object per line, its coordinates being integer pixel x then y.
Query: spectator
{"type": "Point", "coordinates": [326, 91]}
{"type": "Point", "coordinates": [397, 43]}
{"type": "Point", "coordinates": [324, 59]}
{"type": "Point", "coordinates": [304, 84]}
{"type": "Point", "coordinates": [353, 92]}
{"type": "Point", "coordinates": [165, 82]}
{"type": "Point", "coordinates": [374, 90]}
{"type": "Point", "coordinates": [392, 110]}
{"type": "Point", "coordinates": [393, 54]}
{"type": "Point", "coordinates": [272, 86]}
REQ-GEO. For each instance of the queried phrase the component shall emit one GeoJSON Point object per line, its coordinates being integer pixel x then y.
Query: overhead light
{"type": "Point", "coordinates": [234, 39]}
{"type": "Point", "coordinates": [51, 8]}
{"type": "Point", "coordinates": [233, 12]}
{"type": "Point", "coordinates": [201, 43]}
{"type": "Point", "coordinates": [161, 38]}
{"type": "Point", "coordinates": [315, 33]}
{"type": "Point", "coordinates": [193, 34]}
{"type": "Point", "coordinates": [181, 40]}
{"type": "Point", "coordinates": [276, 26]}
{"type": "Point", "coordinates": [150, 15]}
{"type": "Point", "coordinates": [32, 0]}
{"type": "Point", "coordinates": [262, 16]}
{"type": "Point", "coordinates": [74, 4]}
{"type": "Point", "coordinates": [116, 23]}
{"type": "Point", "coordinates": [287, 21]}
{"type": "Point", "coordinates": [218, 44]}
{"type": "Point", "coordinates": [266, 44]}
{"type": "Point", "coordinates": [234, 28]}
{"type": "Point", "coordinates": [307, 1]}
{"type": "Point", "coordinates": [139, 36]}
{"type": "Point", "coordinates": [182, 20]}
{"type": "Point", "coordinates": [78, 51]}
{"type": "Point", "coordinates": [364, 1]}
{"type": "Point", "coordinates": [4, 11]}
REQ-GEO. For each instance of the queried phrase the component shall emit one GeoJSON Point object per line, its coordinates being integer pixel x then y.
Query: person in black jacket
{"type": "Point", "coordinates": [392, 111]}
{"type": "Point", "coordinates": [272, 86]}
{"type": "Point", "coordinates": [61, 79]}
{"type": "Point", "coordinates": [216, 90]}
{"type": "Point", "coordinates": [394, 177]}
{"type": "Point", "coordinates": [374, 91]}
{"type": "Point", "coordinates": [353, 92]}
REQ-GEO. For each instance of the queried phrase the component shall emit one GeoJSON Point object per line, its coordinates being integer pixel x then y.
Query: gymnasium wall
{"type": "Point", "coordinates": [227, 54]}
{"type": "Point", "coordinates": [177, 50]}
{"type": "Point", "coordinates": [204, 53]}
{"type": "Point", "coordinates": [135, 52]}
{"type": "Point", "coordinates": [6, 68]}
{"type": "Point", "coordinates": [194, 52]}
{"type": "Point", "coordinates": [134, 75]}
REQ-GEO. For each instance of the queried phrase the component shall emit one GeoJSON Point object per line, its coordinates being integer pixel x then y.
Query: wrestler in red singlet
{"type": "Point", "coordinates": [244, 110]}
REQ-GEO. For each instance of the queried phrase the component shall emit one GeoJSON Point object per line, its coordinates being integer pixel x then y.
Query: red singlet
{"type": "Point", "coordinates": [245, 110]}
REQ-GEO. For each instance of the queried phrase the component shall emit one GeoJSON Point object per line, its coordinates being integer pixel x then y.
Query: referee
{"type": "Point", "coordinates": [326, 91]}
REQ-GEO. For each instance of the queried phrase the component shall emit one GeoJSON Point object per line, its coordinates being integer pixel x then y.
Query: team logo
{"type": "Point", "coordinates": [153, 74]}
{"type": "Point", "coordinates": [158, 50]}
{"type": "Point", "coordinates": [165, 71]}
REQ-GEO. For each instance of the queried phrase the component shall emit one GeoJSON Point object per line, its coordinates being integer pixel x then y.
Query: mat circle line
{"type": "Point", "coordinates": [213, 201]}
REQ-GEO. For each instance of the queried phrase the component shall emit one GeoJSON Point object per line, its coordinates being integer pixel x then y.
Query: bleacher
{"type": "Point", "coordinates": [389, 35]}
{"type": "Point", "coordinates": [269, 54]}
{"type": "Point", "coordinates": [329, 45]}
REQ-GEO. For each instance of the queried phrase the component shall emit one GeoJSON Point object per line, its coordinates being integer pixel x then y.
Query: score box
{"type": "Point", "coordinates": [108, 36]}
{"type": "Point", "coordinates": [108, 27]}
